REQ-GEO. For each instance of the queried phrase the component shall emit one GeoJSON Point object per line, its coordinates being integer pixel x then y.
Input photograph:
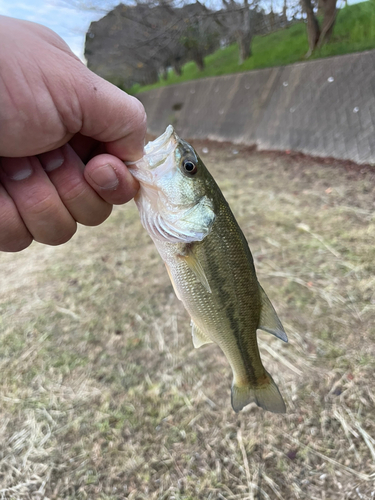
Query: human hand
{"type": "Point", "coordinates": [64, 132]}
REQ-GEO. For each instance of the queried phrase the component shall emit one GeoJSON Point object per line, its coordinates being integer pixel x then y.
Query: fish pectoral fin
{"type": "Point", "coordinates": [171, 278]}
{"type": "Point", "coordinates": [267, 396]}
{"type": "Point", "coordinates": [199, 338]}
{"type": "Point", "coordinates": [269, 321]}
{"type": "Point", "coordinates": [195, 266]}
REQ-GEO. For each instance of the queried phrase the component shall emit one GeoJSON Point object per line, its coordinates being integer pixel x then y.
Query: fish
{"type": "Point", "coordinates": [209, 263]}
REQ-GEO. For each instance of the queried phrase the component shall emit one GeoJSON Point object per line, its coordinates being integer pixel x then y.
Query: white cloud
{"type": "Point", "coordinates": [68, 22]}
{"type": "Point", "coordinates": [5, 8]}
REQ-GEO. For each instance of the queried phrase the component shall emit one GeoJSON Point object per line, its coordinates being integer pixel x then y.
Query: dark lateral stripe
{"type": "Point", "coordinates": [235, 328]}
{"type": "Point", "coordinates": [216, 271]}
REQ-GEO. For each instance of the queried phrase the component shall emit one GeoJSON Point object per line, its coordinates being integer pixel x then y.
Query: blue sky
{"type": "Point", "coordinates": [64, 17]}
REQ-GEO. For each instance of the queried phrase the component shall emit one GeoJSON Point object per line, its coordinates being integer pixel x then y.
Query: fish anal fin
{"type": "Point", "coordinates": [269, 321]}
{"type": "Point", "coordinates": [199, 338]}
{"type": "Point", "coordinates": [267, 396]}
{"type": "Point", "coordinates": [194, 265]}
{"type": "Point", "coordinates": [173, 284]}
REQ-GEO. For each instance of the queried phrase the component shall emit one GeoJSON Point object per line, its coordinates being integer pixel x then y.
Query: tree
{"type": "Point", "coordinates": [240, 21]}
{"type": "Point", "coordinates": [317, 35]}
{"type": "Point", "coordinates": [237, 21]}
{"type": "Point", "coordinates": [329, 17]}
{"type": "Point", "coordinates": [284, 16]}
{"type": "Point", "coordinates": [141, 42]}
{"type": "Point", "coordinates": [200, 35]}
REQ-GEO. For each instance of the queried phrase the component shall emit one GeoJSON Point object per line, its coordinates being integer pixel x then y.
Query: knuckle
{"type": "Point", "coordinates": [85, 206]}
{"type": "Point", "coordinates": [39, 206]}
{"type": "Point", "coordinates": [72, 191]}
{"type": "Point", "coordinates": [47, 219]}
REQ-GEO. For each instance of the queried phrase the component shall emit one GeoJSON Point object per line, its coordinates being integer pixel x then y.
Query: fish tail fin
{"type": "Point", "coordinates": [267, 396]}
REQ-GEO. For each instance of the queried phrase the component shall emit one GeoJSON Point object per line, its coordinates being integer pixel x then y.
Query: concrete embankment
{"type": "Point", "coordinates": [321, 108]}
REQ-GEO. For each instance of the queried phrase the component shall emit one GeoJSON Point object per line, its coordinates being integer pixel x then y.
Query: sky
{"type": "Point", "coordinates": [63, 16]}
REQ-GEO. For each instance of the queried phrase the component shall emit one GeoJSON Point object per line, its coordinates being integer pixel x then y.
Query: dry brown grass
{"type": "Point", "coordinates": [103, 396]}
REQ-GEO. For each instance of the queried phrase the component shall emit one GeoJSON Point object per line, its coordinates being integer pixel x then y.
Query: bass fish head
{"type": "Point", "coordinates": [175, 200]}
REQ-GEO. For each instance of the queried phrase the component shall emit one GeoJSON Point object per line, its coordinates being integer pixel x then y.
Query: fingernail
{"type": "Point", "coordinates": [17, 169]}
{"type": "Point", "coordinates": [105, 177]}
{"type": "Point", "coordinates": [51, 160]}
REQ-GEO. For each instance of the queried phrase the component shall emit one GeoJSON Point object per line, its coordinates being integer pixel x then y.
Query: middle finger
{"type": "Point", "coordinates": [65, 170]}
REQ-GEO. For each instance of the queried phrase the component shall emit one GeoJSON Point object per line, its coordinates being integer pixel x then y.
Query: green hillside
{"type": "Point", "coordinates": [354, 31]}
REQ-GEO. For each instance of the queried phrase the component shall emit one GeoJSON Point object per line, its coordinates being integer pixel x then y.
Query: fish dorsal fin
{"type": "Point", "coordinates": [173, 284]}
{"type": "Point", "coordinates": [195, 266]}
{"type": "Point", "coordinates": [199, 338]}
{"type": "Point", "coordinates": [269, 321]}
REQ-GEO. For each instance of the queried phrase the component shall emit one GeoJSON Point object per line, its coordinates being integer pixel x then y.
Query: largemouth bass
{"type": "Point", "coordinates": [209, 263]}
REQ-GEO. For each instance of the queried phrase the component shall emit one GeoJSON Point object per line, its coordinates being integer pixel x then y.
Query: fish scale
{"type": "Point", "coordinates": [209, 263]}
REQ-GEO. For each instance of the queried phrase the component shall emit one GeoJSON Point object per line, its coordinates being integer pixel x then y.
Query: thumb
{"type": "Point", "coordinates": [112, 116]}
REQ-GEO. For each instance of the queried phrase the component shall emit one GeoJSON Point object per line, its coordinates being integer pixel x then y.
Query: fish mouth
{"type": "Point", "coordinates": [158, 157]}
{"type": "Point", "coordinates": [161, 147]}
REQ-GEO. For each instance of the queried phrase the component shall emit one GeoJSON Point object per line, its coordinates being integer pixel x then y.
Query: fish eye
{"type": "Point", "coordinates": [190, 167]}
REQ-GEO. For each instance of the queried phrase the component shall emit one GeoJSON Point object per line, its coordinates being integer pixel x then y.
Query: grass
{"type": "Point", "coordinates": [103, 395]}
{"type": "Point", "coordinates": [354, 31]}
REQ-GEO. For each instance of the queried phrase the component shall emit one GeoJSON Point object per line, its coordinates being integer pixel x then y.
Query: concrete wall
{"type": "Point", "coordinates": [322, 108]}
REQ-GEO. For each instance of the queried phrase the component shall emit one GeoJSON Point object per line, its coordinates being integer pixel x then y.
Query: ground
{"type": "Point", "coordinates": [104, 397]}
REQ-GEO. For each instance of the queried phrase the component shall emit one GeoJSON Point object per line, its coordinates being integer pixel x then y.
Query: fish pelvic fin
{"type": "Point", "coordinates": [269, 320]}
{"type": "Point", "coordinates": [267, 396]}
{"type": "Point", "coordinates": [199, 337]}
